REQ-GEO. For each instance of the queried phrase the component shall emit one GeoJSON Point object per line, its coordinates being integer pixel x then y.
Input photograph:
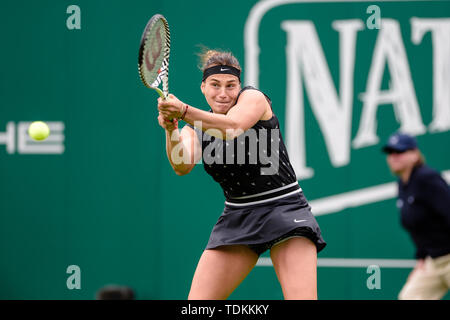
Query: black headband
{"type": "Point", "coordinates": [221, 69]}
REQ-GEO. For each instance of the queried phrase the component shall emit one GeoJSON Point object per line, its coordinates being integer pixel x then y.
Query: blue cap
{"type": "Point", "coordinates": [400, 142]}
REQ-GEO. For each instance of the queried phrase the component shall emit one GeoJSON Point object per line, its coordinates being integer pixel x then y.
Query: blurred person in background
{"type": "Point", "coordinates": [115, 292]}
{"type": "Point", "coordinates": [424, 204]}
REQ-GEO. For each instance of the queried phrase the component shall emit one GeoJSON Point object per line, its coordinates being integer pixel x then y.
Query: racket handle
{"type": "Point", "coordinates": [161, 94]}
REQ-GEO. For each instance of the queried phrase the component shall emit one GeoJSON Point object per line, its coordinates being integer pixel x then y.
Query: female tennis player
{"type": "Point", "coordinates": [242, 149]}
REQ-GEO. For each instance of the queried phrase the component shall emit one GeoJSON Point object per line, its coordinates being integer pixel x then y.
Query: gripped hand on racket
{"type": "Point", "coordinates": [171, 107]}
{"type": "Point", "coordinates": [167, 124]}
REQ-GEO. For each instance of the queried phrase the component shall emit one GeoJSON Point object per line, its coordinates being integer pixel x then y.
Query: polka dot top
{"type": "Point", "coordinates": [253, 166]}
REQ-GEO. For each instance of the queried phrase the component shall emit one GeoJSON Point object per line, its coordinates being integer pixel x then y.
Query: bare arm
{"type": "Point", "coordinates": [250, 108]}
{"type": "Point", "coordinates": [183, 148]}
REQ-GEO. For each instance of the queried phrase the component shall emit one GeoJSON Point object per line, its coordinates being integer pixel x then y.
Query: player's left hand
{"type": "Point", "coordinates": [171, 107]}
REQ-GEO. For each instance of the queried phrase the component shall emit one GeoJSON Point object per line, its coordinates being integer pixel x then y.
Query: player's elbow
{"type": "Point", "coordinates": [234, 131]}
{"type": "Point", "coordinates": [181, 173]}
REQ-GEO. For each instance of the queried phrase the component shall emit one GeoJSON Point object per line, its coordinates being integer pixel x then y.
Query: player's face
{"type": "Point", "coordinates": [399, 162]}
{"type": "Point", "coordinates": [221, 91]}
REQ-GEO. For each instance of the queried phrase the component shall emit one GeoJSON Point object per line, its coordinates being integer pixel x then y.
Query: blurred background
{"type": "Point", "coordinates": [100, 195]}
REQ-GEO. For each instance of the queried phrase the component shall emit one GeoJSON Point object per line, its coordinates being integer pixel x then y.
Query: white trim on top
{"type": "Point", "coordinates": [263, 201]}
{"type": "Point", "coordinates": [267, 192]}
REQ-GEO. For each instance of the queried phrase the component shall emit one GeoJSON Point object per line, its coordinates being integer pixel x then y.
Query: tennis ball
{"type": "Point", "coordinates": [38, 130]}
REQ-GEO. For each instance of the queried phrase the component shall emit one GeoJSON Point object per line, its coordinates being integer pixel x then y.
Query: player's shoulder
{"type": "Point", "coordinates": [189, 127]}
{"type": "Point", "coordinates": [193, 130]}
{"type": "Point", "coordinates": [252, 92]}
{"type": "Point", "coordinates": [249, 90]}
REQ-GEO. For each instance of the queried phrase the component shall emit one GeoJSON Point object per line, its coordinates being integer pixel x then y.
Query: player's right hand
{"type": "Point", "coordinates": [166, 123]}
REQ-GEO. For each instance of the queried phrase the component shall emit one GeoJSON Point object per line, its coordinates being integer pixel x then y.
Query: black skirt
{"type": "Point", "coordinates": [262, 225]}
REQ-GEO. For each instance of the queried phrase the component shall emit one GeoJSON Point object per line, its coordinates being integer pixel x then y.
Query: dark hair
{"type": "Point", "coordinates": [210, 58]}
{"type": "Point", "coordinates": [421, 160]}
{"type": "Point", "coordinates": [113, 292]}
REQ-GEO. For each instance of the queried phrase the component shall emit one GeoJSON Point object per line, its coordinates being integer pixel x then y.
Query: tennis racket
{"type": "Point", "coordinates": [154, 52]}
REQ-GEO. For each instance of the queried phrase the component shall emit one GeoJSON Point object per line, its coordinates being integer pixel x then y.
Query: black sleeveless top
{"type": "Point", "coordinates": [253, 166]}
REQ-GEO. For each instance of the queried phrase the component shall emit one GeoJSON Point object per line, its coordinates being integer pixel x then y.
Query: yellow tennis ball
{"type": "Point", "coordinates": [38, 130]}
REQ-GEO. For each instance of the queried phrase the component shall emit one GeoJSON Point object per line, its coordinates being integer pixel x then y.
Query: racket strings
{"type": "Point", "coordinates": [154, 53]}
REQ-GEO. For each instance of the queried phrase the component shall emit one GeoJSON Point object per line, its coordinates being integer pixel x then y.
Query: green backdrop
{"type": "Point", "coordinates": [104, 197]}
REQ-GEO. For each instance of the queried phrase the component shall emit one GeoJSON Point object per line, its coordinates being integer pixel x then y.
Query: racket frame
{"type": "Point", "coordinates": [163, 75]}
